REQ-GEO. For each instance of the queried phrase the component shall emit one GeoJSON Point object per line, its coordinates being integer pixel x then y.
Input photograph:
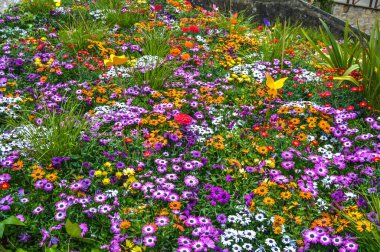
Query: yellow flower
{"type": "Point", "coordinates": [355, 215]}
{"type": "Point", "coordinates": [107, 164]}
{"type": "Point", "coordinates": [106, 181]}
{"type": "Point", "coordinates": [268, 201]}
{"type": "Point", "coordinates": [118, 175]}
{"type": "Point", "coordinates": [364, 225]}
{"type": "Point", "coordinates": [98, 173]}
{"type": "Point", "coordinates": [57, 3]}
{"type": "Point", "coordinates": [261, 190]}
{"type": "Point", "coordinates": [128, 172]}
{"type": "Point", "coordinates": [104, 173]}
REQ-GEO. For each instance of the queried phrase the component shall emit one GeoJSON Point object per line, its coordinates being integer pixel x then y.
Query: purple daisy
{"type": "Point", "coordinates": [38, 210]}
{"type": "Point", "coordinates": [104, 209]}
{"type": "Point", "coordinates": [221, 218]}
{"type": "Point", "coordinates": [184, 241]}
{"type": "Point", "coordinates": [191, 221]}
{"type": "Point", "coordinates": [184, 249]}
{"type": "Point", "coordinates": [191, 181]}
{"type": "Point", "coordinates": [325, 240]}
{"type": "Point", "coordinates": [61, 206]}
{"type": "Point", "coordinates": [148, 229]}
{"type": "Point", "coordinates": [162, 221]}
{"type": "Point", "coordinates": [60, 216]}
{"type": "Point", "coordinates": [100, 198]}
{"type": "Point", "coordinates": [150, 241]}
{"type": "Point", "coordinates": [351, 246]}
{"type": "Point", "coordinates": [311, 236]}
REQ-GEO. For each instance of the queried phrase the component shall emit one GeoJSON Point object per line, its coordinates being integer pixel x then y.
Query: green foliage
{"type": "Point", "coordinates": [108, 4]}
{"type": "Point", "coordinates": [370, 66]}
{"type": "Point", "coordinates": [12, 220]}
{"type": "Point", "coordinates": [278, 38]}
{"type": "Point", "coordinates": [339, 55]}
{"type": "Point", "coordinates": [37, 7]}
{"type": "Point", "coordinates": [58, 135]}
{"type": "Point", "coordinates": [124, 20]}
{"type": "Point", "coordinates": [370, 240]}
{"type": "Point", "coordinates": [156, 77]}
{"type": "Point", "coordinates": [325, 5]}
{"type": "Point", "coordinates": [79, 27]}
{"type": "Point", "coordinates": [155, 42]}
{"type": "Point", "coordinates": [80, 31]}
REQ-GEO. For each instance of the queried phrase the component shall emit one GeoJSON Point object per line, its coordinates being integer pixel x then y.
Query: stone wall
{"type": "Point", "coordinates": [365, 17]}
{"type": "Point", "coordinates": [294, 10]}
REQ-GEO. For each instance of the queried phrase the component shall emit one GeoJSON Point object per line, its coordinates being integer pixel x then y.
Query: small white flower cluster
{"type": "Point", "coordinates": [143, 64]}
{"type": "Point", "coordinates": [98, 14]}
{"type": "Point", "coordinates": [118, 71]}
{"type": "Point", "coordinates": [6, 102]}
{"type": "Point", "coordinates": [252, 225]}
{"type": "Point", "coordinates": [201, 131]}
{"type": "Point", "coordinates": [9, 32]}
{"type": "Point", "coordinates": [147, 63]}
{"type": "Point", "coordinates": [13, 140]}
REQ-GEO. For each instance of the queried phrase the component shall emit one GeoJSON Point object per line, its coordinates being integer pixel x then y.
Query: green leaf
{"type": "Point", "coordinates": [2, 226]}
{"type": "Point", "coordinates": [12, 220]}
{"type": "Point", "coordinates": [73, 229]}
{"type": "Point", "coordinates": [20, 250]}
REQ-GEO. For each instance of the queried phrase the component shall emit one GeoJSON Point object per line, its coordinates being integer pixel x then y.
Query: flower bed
{"type": "Point", "coordinates": [136, 126]}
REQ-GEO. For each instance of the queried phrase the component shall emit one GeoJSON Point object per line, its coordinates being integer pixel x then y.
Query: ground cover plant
{"type": "Point", "coordinates": [176, 128]}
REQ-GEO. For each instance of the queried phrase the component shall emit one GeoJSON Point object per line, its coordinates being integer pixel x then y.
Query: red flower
{"type": "Point", "coordinates": [185, 29]}
{"type": "Point", "coordinates": [4, 186]}
{"type": "Point", "coordinates": [363, 104]}
{"type": "Point", "coordinates": [296, 143]}
{"type": "Point", "coordinates": [350, 108]}
{"type": "Point", "coordinates": [157, 7]}
{"type": "Point", "coordinates": [183, 119]}
{"type": "Point", "coordinates": [194, 28]}
{"type": "Point", "coordinates": [260, 28]}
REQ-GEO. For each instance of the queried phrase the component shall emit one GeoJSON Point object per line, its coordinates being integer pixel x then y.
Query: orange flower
{"type": "Point", "coordinates": [175, 52]}
{"type": "Point", "coordinates": [286, 195]}
{"type": "Point", "coordinates": [268, 201]}
{"type": "Point", "coordinates": [125, 224]}
{"type": "Point", "coordinates": [175, 205]}
{"type": "Point", "coordinates": [185, 56]}
{"type": "Point", "coordinates": [278, 220]}
{"type": "Point", "coordinates": [18, 165]}
{"type": "Point", "coordinates": [38, 174]}
{"type": "Point", "coordinates": [189, 44]}
{"type": "Point", "coordinates": [179, 227]}
{"type": "Point", "coordinates": [305, 195]}
{"type": "Point", "coordinates": [262, 190]}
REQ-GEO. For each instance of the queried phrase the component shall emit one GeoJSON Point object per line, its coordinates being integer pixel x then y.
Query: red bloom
{"type": "Point", "coordinates": [194, 28]}
{"type": "Point", "coordinates": [185, 29]}
{"type": "Point", "coordinates": [4, 186]}
{"type": "Point", "coordinates": [183, 119]}
{"type": "Point", "coordinates": [363, 104]}
{"type": "Point", "coordinates": [158, 7]}
{"type": "Point", "coordinates": [296, 143]}
{"type": "Point", "coordinates": [260, 28]}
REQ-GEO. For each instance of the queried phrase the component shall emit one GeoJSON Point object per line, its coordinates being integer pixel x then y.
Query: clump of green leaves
{"type": "Point", "coordinates": [278, 39]}
{"type": "Point", "coordinates": [370, 65]}
{"type": "Point", "coordinates": [58, 135]}
{"type": "Point", "coordinates": [124, 19]}
{"type": "Point", "coordinates": [155, 42]}
{"type": "Point", "coordinates": [79, 31]}
{"type": "Point", "coordinates": [337, 54]}
{"type": "Point", "coordinates": [37, 7]}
